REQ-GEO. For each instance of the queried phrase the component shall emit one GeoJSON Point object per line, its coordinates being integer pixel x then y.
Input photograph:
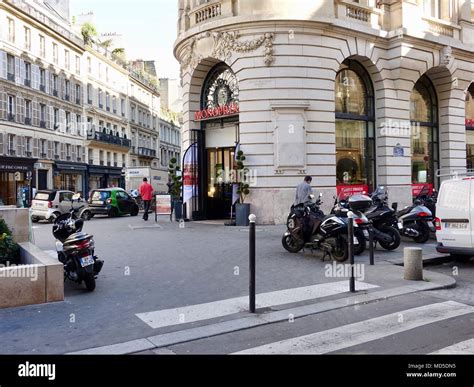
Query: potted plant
{"type": "Point", "coordinates": [175, 178]}
{"type": "Point", "coordinates": [242, 209]}
{"type": "Point", "coordinates": [9, 250]}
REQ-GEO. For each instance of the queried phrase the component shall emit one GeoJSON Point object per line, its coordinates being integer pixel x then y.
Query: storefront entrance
{"type": "Point", "coordinates": [220, 173]}
{"type": "Point", "coordinates": [16, 181]}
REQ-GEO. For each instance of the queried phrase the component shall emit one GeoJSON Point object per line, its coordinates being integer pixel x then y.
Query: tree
{"type": "Point", "coordinates": [88, 32]}
{"type": "Point", "coordinates": [175, 178]}
{"type": "Point", "coordinates": [242, 171]}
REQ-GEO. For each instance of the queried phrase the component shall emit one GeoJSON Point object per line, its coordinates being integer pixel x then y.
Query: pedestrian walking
{"type": "Point", "coordinates": [146, 192]}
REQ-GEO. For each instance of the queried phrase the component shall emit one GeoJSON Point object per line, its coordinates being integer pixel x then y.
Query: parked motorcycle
{"type": "Point", "coordinates": [416, 221]}
{"type": "Point", "coordinates": [383, 220]}
{"type": "Point", "coordinates": [307, 226]}
{"type": "Point", "coordinates": [357, 204]}
{"type": "Point", "coordinates": [76, 249]}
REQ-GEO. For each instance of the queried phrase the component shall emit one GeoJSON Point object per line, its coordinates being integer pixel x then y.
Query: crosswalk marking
{"type": "Point", "coordinates": [193, 313]}
{"type": "Point", "coordinates": [462, 348]}
{"type": "Point", "coordinates": [361, 332]}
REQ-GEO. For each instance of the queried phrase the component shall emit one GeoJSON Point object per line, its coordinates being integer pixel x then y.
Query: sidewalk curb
{"type": "Point", "coordinates": [275, 316]}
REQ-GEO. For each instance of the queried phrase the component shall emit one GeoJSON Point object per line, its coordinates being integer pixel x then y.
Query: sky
{"type": "Point", "coordinates": [149, 28]}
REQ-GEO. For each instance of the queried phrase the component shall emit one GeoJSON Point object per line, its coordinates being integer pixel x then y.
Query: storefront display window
{"type": "Point", "coordinates": [424, 134]}
{"type": "Point", "coordinates": [68, 181]}
{"type": "Point", "coordinates": [355, 145]}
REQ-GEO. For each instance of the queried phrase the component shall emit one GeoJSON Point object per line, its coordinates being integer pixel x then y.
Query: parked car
{"type": "Point", "coordinates": [455, 217]}
{"type": "Point", "coordinates": [49, 204]}
{"type": "Point", "coordinates": [112, 202]}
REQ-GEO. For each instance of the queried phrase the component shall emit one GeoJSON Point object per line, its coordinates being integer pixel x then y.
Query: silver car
{"type": "Point", "coordinates": [48, 205]}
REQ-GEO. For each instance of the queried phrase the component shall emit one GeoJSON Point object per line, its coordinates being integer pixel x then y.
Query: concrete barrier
{"type": "Point", "coordinates": [38, 280]}
{"type": "Point", "coordinates": [18, 221]}
{"type": "Point", "coordinates": [413, 263]}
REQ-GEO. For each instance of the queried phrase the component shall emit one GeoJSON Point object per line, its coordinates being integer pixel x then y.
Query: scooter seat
{"type": "Point", "coordinates": [404, 211]}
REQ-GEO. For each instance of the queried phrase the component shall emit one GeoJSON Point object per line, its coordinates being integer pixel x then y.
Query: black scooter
{"type": "Point", "coordinates": [307, 226]}
{"type": "Point", "coordinates": [76, 249]}
{"type": "Point", "coordinates": [384, 221]}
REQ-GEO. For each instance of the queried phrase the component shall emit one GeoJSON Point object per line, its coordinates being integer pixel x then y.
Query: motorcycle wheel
{"type": "Point", "coordinates": [340, 252]}
{"type": "Point", "coordinates": [291, 244]}
{"type": "Point", "coordinates": [361, 246]}
{"type": "Point", "coordinates": [86, 215]}
{"type": "Point", "coordinates": [89, 281]}
{"type": "Point", "coordinates": [424, 231]}
{"type": "Point", "coordinates": [396, 239]}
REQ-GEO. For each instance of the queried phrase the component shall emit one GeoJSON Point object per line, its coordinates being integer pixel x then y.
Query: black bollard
{"type": "Point", "coordinates": [252, 264]}
{"type": "Point", "coordinates": [350, 218]}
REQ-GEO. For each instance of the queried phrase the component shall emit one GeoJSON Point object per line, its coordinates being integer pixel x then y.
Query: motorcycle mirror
{"type": "Point", "coordinates": [395, 206]}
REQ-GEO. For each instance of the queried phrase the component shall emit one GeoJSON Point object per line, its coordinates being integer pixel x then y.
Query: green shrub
{"type": "Point", "coordinates": [9, 250]}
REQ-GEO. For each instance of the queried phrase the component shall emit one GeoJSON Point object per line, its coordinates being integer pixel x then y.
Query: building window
{"type": "Point", "coordinates": [11, 67]}
{"type": "Point", "coordinates": [107, 101]}
{"type": "Point", "coordinates": [27, 39]}
{"type": "Point", "coordinates": [439, 9]}
{"type": "Point", "coordinates": [114, 104]}
{"type": "Point", "coordinates": [42, 46]}
{"type": "Point", "coordinates": [101, 104]}
{"type": "Point", "coordinates": [355, 145]}
{"type": "Point", "coordinates": [424, 132]}
{"type": "Point", "coordinates": [42, 116]}
{"type": "Point", "coordinates": [56, 118]}
{"type": "Point", "coordinates": [66, 60]}
{"type": "Point", "coordinates": [55, 53]}
{"type": "Point", "coordinates": [78, 65]}
{"type": "Point", "coordinates": [11, 144]}
{"type": "Point", "coordinates": [11, 108]}
{"type": "Point", "coordinates": [27, 74]}
{"type": "Point", "coordinates": [43, 79]}
{"type": "Point", "coordinates": [28, 112]}
{"type": "Point", "coordinates": [122, 107]}
{"type": "Point", "coordinates": [55, 85]}
{"type": "Point", "coordinates": [107, 74]}
{"type": "Point", "coordinates": [11, 30]}
{"type": "Point", "coordinates": [78, 94]}
{"type": "Point", "coordinates": [470, 126]}
{"type": "Point", "coordinates": [89, 94]}
{"type": "Point", "coordinates": [67, 86]}
{"type": "Point", "coordinates": [89, 65]}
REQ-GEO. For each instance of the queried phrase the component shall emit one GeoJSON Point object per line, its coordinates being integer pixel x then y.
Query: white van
{"type": "Point", "coordinates": [455, 217]}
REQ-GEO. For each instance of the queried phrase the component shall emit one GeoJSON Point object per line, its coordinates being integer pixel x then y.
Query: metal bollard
{"type": "Point", "coordinates": [252, 265]}
{"type": "Point", "coordinates": [371, 245]}
{"type": "Point", "coordinates": [350, 218]}
{"type": "Point", "coordinates": [413, 263]}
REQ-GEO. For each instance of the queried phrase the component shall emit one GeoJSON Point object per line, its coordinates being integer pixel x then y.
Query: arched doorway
{"type": "Point", "coordinates": [217, 140]}
{"type": "Point", "coordinates": [355, 134]}
{"type": "Point", "coordinates": [470, 126]}
{"type": "Point", "coordinates": [424, 135]}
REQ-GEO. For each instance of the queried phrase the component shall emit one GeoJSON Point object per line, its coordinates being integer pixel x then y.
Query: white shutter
{"type": "Point", "coordinates": [36, 143]}
{"type": "Point", "coordinates": [73, 124]}
{"type": "Point", "coordinates": [20, 109]}
{"type": "Point", "coordinates": [35, 75]}
{"type": "Point", "coordinates": [73, 152]}
{"type": "Point", "coordinates": [50, 117]}
{"type": "Point", "coordinates": [22, 71]}
{"type": "Point", "coordinates": [18, 145]}
{"type": "Point", "coordinates": [50, 150]}
{"type": "Point", "coordinates": [63, 150]}
{"type": "Point", "coordinates": [48, 82]}
{"type": "Point", "coordinates": [35, 113]}
{"type": "Point", "coordinates": [62, 121]}
{"type": "Point", "coordinates": [3, 105]}
{"type": "Point", "coordinates": [17, 70]}
{"type": "Point", "coordinates": [3, 65]}
{"type": "Point", "coordinates": [1, 143]}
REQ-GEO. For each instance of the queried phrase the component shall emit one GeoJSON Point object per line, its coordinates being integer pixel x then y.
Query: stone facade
{"type": "Point", "coordinates": [286, 55]}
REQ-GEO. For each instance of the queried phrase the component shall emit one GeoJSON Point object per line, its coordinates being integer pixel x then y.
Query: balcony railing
{"type": "Point", "coordinates": [359, 13]}
{"type": "Point", "coordinates": [206, 12]}
{"type": "Point", "coordinates": [43, 88]}
{"type": "Point", "coordinates": [28, 82]}
{"type": "Point", "coordinates": [109, 139]}
{"type": "Point", "coordinates": [11, 77]}
{"type": "Point", "coordinates": [27, 120]}
{"type": "Point", "coordinates": [145, 152]}
{"type": "Point", "coordinates": [440, 27]}
{"type": "Point", "coordinates": [11, 117]}
{"type": "Point", "coordinates": [43, 124]}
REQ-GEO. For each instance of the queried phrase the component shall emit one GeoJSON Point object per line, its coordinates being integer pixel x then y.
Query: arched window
{"type": "Point", "coordinates": [470, 126]}
{"type": "Point", "coordinates": [355, 145]}
{"type": "Point", "coordinates": [424, 133]}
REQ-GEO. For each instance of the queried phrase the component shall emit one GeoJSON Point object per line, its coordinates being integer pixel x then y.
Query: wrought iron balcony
{"type": "Point", "coordinates": [145, 152]}
{"type": "Point", "coordinates": [109, 139]}
{"type": "Point", "coordinates": [11, 77]}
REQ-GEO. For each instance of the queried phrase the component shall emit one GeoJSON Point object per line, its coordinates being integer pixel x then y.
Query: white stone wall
{"type": "Point", "coordinates": [301, 78]}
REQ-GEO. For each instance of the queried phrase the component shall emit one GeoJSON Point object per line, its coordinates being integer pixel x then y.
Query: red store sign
{"type": "Point", "coordinates": [344, 191]}
{"type": "Point", "coordinates": [470, 122]}
{"type": "Point", "coordinates": [220, 111]}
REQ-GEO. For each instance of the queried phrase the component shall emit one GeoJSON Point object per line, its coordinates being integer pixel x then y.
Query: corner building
{"type": "Point", "coordinates": [355, 93]}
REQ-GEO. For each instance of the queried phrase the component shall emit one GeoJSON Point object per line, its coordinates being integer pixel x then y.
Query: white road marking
{"type": "Point", "coordinates": [193, 313]}
{"type": "Point", "coordinates": [462, 348]}
{"type": "Point", "coordinates": [362, 332]}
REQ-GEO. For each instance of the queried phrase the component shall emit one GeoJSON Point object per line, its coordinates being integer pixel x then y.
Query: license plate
{"type": "Point", "coordinates": [456, 225]}
{"type": "Point", "coordinates": [366, 233]}
{"type": "Point", "coordinates": [356, 241]}
{"type": "Point", "coordinates": [87, 261]}
{"type": "Point", "coordinates": [400, 225]}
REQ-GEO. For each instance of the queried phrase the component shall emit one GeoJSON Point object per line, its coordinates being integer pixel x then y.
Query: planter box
{"type": "Point", "coordinates": [242, 213]}
{"type": "Point", "coordinates": [18, 221]}
{"type": "Point", "coordinates": [38, 280]}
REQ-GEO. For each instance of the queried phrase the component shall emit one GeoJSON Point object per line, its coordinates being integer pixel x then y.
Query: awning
{"type": "Point", "coordinates": [71, 167]}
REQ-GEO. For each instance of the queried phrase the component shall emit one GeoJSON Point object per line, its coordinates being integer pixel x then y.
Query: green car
{"type": "Point", "coordinates": [112, 202]}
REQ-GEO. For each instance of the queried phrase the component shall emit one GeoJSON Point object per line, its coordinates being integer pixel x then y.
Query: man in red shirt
{"type": "Point", "coordinates": [146, 192]}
